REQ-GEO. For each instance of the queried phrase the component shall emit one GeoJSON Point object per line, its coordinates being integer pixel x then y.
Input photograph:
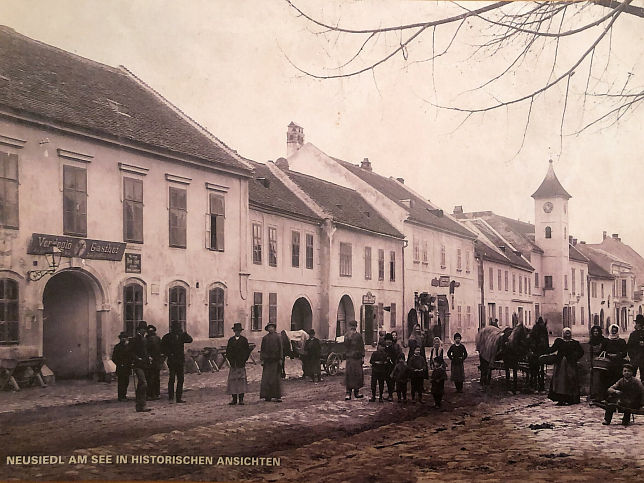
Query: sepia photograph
{"type": "Point", "coordinates": [337, 240]}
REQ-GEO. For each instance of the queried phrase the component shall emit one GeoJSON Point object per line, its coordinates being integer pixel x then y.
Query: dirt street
{"type": "Point", "coordinates": [476, 436]}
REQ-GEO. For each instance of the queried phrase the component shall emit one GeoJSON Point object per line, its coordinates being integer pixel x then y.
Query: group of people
{"type": "Point", "coordinates": [145, 354]}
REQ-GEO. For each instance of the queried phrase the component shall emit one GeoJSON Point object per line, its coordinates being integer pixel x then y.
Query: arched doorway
{"type": "Point", "coordinates": [69, 325]}
{"type": "Point", "coordinates": [346, 313]}
{"type": "Point", "coordinates": [301, 315]}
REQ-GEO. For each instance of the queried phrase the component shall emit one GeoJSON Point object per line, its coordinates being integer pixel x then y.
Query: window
{"type": "Point", "coordinates": [593, 290]}
{"type": "Point", "coordinates": [514, 283]}
{"type": "Point", "coordinates": [507, 316]}
{"type": "Point", "coordinates": [381, 264]}
{"type": "Point", "coordinates": [178, 217]}
{"type": "Point", "coordinates": [548, 232]}
{"type": "Point", "coordinates": [392, 266]}
{"type": "Point", "coordinates": [547, 281]}
{"type": "Point", "coordinates": [132, 306]}
{"type": "Point", "coordinates": [178, 306]}
{"type": "Point", "coordinates": [459, 264]}
{"type": "Point", "coordinates": [392, 312]}
{"type": "Point", "coordinates": [602, 290]}
{"type": "Point", "coordinates": [8, 191]}
{"type": "Point", "coordinates": [468, 315]}
{"type": "Point", "coordinates": [520, 284]}
{"type": "Point", "coordinates": [536, 279]}
{"type": "Point", "coordinates": [529, 286]}
{"type": "Point", "coordinates": [309, 251]}
{"type": "Point", "coordinates": [9, 320]}
{"type": "Point", "coordinates": [272, 308]}
{"type": "Point", "coordinates": [623, 287]}
{"type": "Point", "coordinates": [132, 210]}
{"type": "Point", "coordinates": [74, 201]}
{"type": "Point", "coordinates": [216, 217]}
{"type": "Point", "coordinates": [583, 317]}
{"type": "Point", "coordinates": [257, 243]}
{"type": "Point", "coordinates": [467, 263]}
{"type": "Point", "coordinates": [500, 315]}
{"type": "Point", "coordinates": [506, 281]}
{"type": "Point", "coordinates": [498, 279]}
{"type": "Point", "coordinates": [491, 278]}
{"type": "Point", "coordinates": [443, 257]}
{"type": "Point", "coordinates": [295, 249]}
{"type": "Point", "coordinates": [272, 246]}
{"type": "Point", "coordinates": [565, 282]}
{"type": "Point", "coordinates": [345, 259]}
{"type": "Point", "coordinates": [525, 285]}
{"type": "Point", "coordinates": [256, 312]}
{"type": "Point", "coordinates": [425, 259]}
{"type": "Point", "coordinates": [573, 280]}
{"type": "Point", "coordinates": [416, 250]}
{"type": "Point", "coordinates": [460, 316]}
{"type": "Point", "coordinates": [367, 263]}
{"type": "Point", "coordinates": [216, 312]}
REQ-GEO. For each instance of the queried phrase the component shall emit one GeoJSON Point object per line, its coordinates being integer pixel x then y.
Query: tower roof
{"type": "Point", "coordinates": [550, 186]}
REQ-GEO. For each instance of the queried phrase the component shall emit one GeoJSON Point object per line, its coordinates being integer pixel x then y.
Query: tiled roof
{"type": "Point", "coordinates": [420, 210]}
{"type": "Point", "coordinates": [94, 98]}
{"type": "Point", "coordinates": [550, 186]}
{"type": "Point", "coordinates": [624, 252]}
{"type": "Point", "coordinates": [575, 254]}
{"type": "Point", "coordinates": [272, 193]}
{"type": "Point", "coordinates": [486, 252]}
{"type": "Point", "coordinates": [344, 204]}
{"type": "Point", "coordinates": [511, 257]}
{"type": "Point", "coordinates": [601, 261]}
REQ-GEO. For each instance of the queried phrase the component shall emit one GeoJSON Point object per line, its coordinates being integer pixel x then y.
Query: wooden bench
{"type": "Point", "coordinates": [605, 405]}
{"type": "Point", "coordinates": [21, 372]}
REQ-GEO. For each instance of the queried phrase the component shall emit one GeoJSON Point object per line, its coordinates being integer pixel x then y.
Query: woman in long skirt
{"type": "Point", "coordinates": [564, 386]}
{"type": "Point", "coordinates": [271, 358]}
{"type": "Point", "coordinates": [237, 353]}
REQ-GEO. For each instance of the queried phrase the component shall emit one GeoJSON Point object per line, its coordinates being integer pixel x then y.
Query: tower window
{"type": "Point", "coordinates": [548, 232]}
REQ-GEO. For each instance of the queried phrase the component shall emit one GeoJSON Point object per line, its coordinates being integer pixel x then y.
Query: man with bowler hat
{"type": "Point", "coordinates": [172, 348]}
{"type": "Point", "coordinates": [141, 365]}
{"type": "Point", "coordinates": [271, 357]}
{"type": "Point", "coordinates": [237, 353]}
{"type": "Point", "coordinates": [122, 357]}
{"type": "Point", "coordinates": [153, 344]}
{"type": "Point", "coordinates": [635, 346]}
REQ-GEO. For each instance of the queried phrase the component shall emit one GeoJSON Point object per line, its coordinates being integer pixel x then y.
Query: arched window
{"type": "Point", "coordinates": [178, 306]}
{"type": "Point", "coordinates": [132, 306]}
{"type": "Point", "coordinates": [216, 312]}
{"type": "Point", "coordinates": [548, 232]}
{"type": "Point", "coordinates": [8, 311]}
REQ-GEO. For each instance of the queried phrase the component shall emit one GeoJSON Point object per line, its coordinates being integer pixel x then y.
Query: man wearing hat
{"type": "Point", "coordinates": [153, 344]}
{"type": "Point", "coordinates": [311, 361]}
{"type": "Point", "coordinates": [122, 357]}
{"type": "Point", "coordinates": [237, 353]}
{"type": "Point", "coordinates": [141, 365]}
{"type": "Point", "coordinates": [635, 346]}
{"type": "Point", "coordinates": [271, 356]}
{"type": "Point", "coordinates": [629, 393]}
{"type": "Point", "coordinates": [354, 347]}
{"type": "Point", "coordinates": [172, 348]}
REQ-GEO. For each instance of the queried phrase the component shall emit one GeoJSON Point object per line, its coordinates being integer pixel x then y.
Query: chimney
{"type": "Point", "coordinates": [458, 210]}
{"type": "Point", "coordinates": [282, 164]}
{"type": "Point", "coordinates": [616, 237]}
{"type": "Point", "coordinates": [436, 212]}
{"type": "Point", "coordinates": [502, 247]}
{"type": "Point", "coordinates": [366, 164]}
{"type": "Point", "coordinates": [574, 242]}
{"type": "Point", "coordinates": [604, 236]}
{"type": "Point", "coordinates": [570, 239]}
{"type": "Point", "coordinates": [294, 139]}
{"type": "Point", "coordinates": [401, 180]}
{"type": "Point", "coordinates": [582, 242]}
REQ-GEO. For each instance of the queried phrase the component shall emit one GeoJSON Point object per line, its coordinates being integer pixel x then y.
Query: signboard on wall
{"type": "Point", "coordinates": [368, 299]}
{"type": "Point", "coordinates": [76, 247]}
{"type": "Point", "coordinates": [443, 281]}
{"type": "Point", "coordinates": [132, 263]}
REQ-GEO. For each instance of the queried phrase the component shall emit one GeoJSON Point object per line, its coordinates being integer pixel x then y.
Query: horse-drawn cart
{"type": "Point", "coordinates": [331, 356]}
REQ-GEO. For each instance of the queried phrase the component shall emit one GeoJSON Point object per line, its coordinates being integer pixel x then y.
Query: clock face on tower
{"type": "Point", "coordinates": [547, 207]}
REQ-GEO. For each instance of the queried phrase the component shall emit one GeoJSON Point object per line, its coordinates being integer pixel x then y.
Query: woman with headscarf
{"type": "Point", "coordinates": [564, 385]}
{"type": "Point", "coordinates": [615, 348]}
{"type": "Point", "coordinates": [416, 340]}
{"type": "Point", "coordinates": [597, 384]}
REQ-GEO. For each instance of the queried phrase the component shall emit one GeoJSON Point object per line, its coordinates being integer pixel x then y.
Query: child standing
{"type": "Point", "coordinates": [439, 376]}
{"type": "Point", "coordinates": [378, 363]}
{"type": "Point", "coordinates": [417, 368]}
{"type": "Point", "coordinates": [457, 354]}
{"type": "Point", "coordinates": [437, 351]}
{"type": "Point", "coordinates": [400, 375]}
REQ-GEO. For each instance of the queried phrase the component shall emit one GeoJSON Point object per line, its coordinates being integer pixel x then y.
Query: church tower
{"type": "Point", "coordinates": [551, 235]}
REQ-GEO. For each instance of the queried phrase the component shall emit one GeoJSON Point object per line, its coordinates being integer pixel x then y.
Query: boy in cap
{"type": "Point", "coordinates": [271, 357]}
{"type": "Point", "coordinates": [379, 371]}
{"type": "Point", "coordinates": [635, 346]}
{"type": "Point", "coordinates": [122, 357]}
{"type": "Point", "coordinates": [457, 354]}
{"type": "Point", "coordinates": [417, 373]}
{"type": "Point", "coordinates": [153, 345]}
{"type": "Point", "coordinates": [439, 376]}
{"type": "Point", "coordinates": [629, 392]}
{"type": "Point", "coordinates": [237, 353]}
{"type": "Point", "coordinates": [312, 351]}
{"type": "Point", "coordinates": [172, 347]}
{"type": "Point", "coordinates": [400, 375]}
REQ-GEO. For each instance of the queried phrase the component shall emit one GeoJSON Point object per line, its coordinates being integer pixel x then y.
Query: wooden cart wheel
{"type": "Point", "coordinates": [333, 364]}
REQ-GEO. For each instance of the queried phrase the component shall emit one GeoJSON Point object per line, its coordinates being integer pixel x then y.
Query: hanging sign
{"type": "Point", "coordinates": [76, 247]}
{"type": "Point", "coordinates": [443, 281]}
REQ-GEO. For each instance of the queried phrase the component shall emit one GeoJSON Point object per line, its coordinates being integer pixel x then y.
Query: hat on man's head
{"type": "Point", "coordinates": [457, 336]}
{"type": "Point", "coordinates": [629, 366]}
{"type": "Point", "coordinates": [123, 335]}
{"type": "Point", "coordinates": [142, 325]}
{"type": "Point", "coordinates": [389, 337]}
{"type": "Point", "coordinates": [639, 319]}
{"type": "Point", "coordinates": [311, 332]}
{"type": "Point", "coordinates": [269, 324]}
{"type": "Point", "coordinates": [353, 323]}
{"type": "Point", "coordinates": [237, 326]}
{"type": "Point", "coordinates": [152, 328]}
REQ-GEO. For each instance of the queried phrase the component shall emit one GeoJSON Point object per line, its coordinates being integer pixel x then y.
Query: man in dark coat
{"type": "Point", "coordinates": [312, 351]}
{"type": "Point", "coordinates": [271, 357]}
{"type": "Point", "coordinates": [122, 357]}
{"type": "Point", "coordinates": [354, 348]}
{"type": "Point", "coordinates": [390, 362]}
{"type": "Point", "coordinates": [635, 346]}
{"type": "Point", "coordinates": [153, 342]}
{"type": "Point", "coordinates": [141, 365]}
{"type": "Point", "coordinates": [172, 347]}
{"type": "Point", "coordinates": [237, 353]}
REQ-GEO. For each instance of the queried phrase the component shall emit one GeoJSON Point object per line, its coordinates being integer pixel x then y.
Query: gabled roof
{"type": "Point", "coordinates": [600, 261]}
{"type": "Point", "coordinates": [420, 211]}
{"type": "Point", "coordinates": [575, 254]}
{"type": "Point", "coordinates": [624, 252]}
{"type": "Point", "coordinates": [503, 248]}
{"type": "Point", "coordinates": [345, 205]}
{"type": "Point", "coordinates": [486, 252]}
{"type": "Point", "coordinates": [550, 186]}
{"type": "Point", "coordinates": [51, 84]}
{"type": "Point", "coordinates": [265, 190]}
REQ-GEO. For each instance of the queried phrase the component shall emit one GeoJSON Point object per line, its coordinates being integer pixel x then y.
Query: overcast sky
{"type": "Point", "coordinates": [226, 63]}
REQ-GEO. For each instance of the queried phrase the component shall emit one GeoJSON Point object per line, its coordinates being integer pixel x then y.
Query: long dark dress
{"type": "Point", "coordinates": [564, 386]}
{"type": "Point", "coordinates": [237, 353]}
{"type": "Point", "coordinates": [354, 346]}
{"type": "Point", "coordinates": [271, 354]}
{"type": "Point", "coordinates": [598, 385]}
{"type": "Point", "coordinates": [311, 362]}
{"type": "Point", "coordinates": [457, 354]}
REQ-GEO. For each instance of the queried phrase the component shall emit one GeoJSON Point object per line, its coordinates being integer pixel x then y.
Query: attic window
{"type": "Point", "coordinates": [264, 181]}
{"type": "Point", "coordinates": [118, 107]}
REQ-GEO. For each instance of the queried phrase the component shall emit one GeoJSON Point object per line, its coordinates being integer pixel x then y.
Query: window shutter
{"type": "Point", "coordinates": [207, 230]}
{"type": "Point", "coordinates": [219, 228]}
